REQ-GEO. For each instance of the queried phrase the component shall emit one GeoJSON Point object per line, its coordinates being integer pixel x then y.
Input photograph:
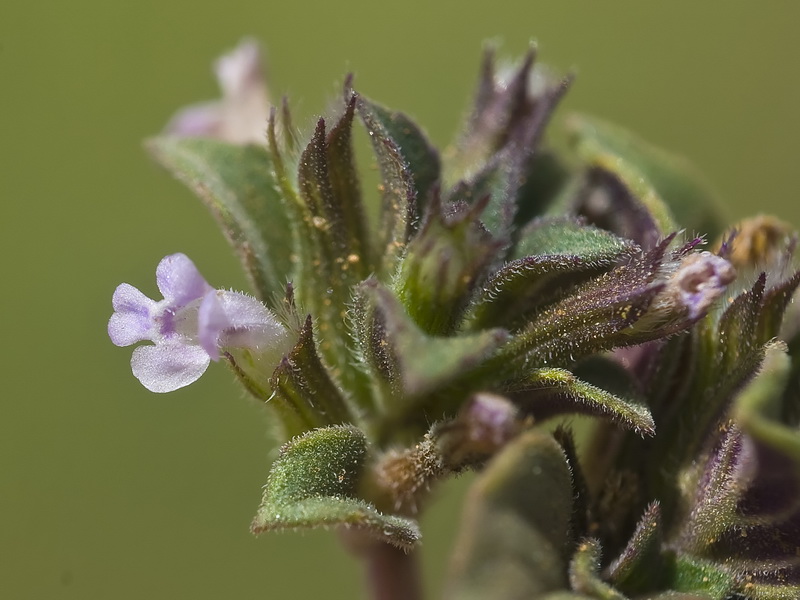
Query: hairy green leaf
{"type": "Point", "coordinates": [548, 391]}
{"type": "Point", "coordinates": [313, 483]}
{"type": "Point", "coordinates": [562, 253]}
{"type": "Point", "coordinates": [420, 155]}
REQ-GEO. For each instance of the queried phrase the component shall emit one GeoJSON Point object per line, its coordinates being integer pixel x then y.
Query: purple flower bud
{"type": "Point", "coordinates": [700, 279]}
{"type": "Point", "coordinates": [189, 326]}
{"type": "Point", "coordinates": [240, 117]}
{"type": "Point", "coordinates": [690, 284]}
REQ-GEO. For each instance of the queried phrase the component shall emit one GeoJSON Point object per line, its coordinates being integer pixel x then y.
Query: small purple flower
{"type": "Point", "coordinates": [189, 326]}
{"type": "Point", "coordinates": [240, 116]}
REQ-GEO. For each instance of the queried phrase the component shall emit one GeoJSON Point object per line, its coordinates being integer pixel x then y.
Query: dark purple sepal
{"type": "Point", "coordinates": [496, 152]}
{"type": "Point", "coordinates": [606, 202]}
{"type": "Point", "coordinates": [597, 315]}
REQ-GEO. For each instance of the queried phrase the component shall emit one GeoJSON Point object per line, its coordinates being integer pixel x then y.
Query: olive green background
{"type": "Point", "coordinates": [109, 491]}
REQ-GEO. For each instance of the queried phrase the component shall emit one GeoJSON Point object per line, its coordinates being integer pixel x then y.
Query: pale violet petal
{"type": "Point", "coordinates": [240, 70]}
{"type": "Point", "coordinates": [169, 366]}
{"type": "Point", "coordinates": [132, 320]}
{"type": "Point", "coordinates": [251, 324]}
{"type": "Point", "coordinates": [241, 115]}
{"type": "Point", "coordinates": [211, 321]}
{"type": "Point", "coordinates": [197, 120]}
{"type": "Point", "coordinates": [245, 99]}
{"type": "Point", "coordinates": [179, 280]}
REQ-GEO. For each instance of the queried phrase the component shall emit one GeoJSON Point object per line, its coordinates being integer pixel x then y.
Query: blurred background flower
{"type": "Point", "coordinates": [109, 491]}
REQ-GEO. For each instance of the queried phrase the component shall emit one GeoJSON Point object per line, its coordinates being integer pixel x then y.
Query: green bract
{"type": "Point", "coordinates": [498, 286]}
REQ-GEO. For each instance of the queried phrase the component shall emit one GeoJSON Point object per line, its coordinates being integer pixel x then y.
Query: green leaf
{"type": "Point", "coordinates": [584, 572]}
{"type": "Point", "coordinates": [776, 301]}
{"type": "Point", "coordinates": [514, 536]}
{"type": "Point", "coordinates": [547, 391]}
{"type": "Point", "coordinates": [768, 591]}
{"type": "Point", "coordinates": [568, 237]}
{"type": "Point", "coordinates": [314, 483]}
{"type": "Point", "coordinates": [737, 329]}
{"type": "Point", "coordinates": [237, 186]}
{"type": "Point", "coordinates": [562, 253]}
{"type": "Point", "coordinates": [673, 178]}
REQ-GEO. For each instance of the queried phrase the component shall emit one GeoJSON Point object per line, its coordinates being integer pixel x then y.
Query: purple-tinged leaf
{"type": "Point", "coordinates": [347, 192]}
{"type": "Point", "coordinates": [725, 476]}
{"type": "Point", "coordinates": [328, 224]}
{"type": "Point", "coordinates": [595, 315]}
{"type": "Point", "coordinates": [607, 202]}
{"type": "Point", "coordinates": [496, 153]}
{"type": "Point", "coordinates": [417, 151]}
{"type": "Point", "coordinates": [674, 180]}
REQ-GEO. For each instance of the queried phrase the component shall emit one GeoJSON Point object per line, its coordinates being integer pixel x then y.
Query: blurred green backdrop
{"type": "Point", "coordinates": [109, 491]}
